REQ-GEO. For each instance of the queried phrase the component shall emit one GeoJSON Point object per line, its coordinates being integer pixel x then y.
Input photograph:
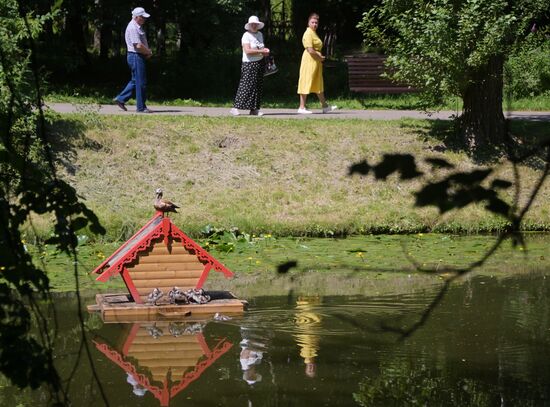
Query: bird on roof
{"type": "Point", "coordinates": [154, 296]}
{"type": "Point", "coordinates": [164, 205]}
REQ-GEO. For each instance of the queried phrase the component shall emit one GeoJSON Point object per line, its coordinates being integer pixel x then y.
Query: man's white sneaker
{"type": "Point", "coordinates": [304, 111]}
{"type": "Point", "coordinates": [329, 109]}
{"type": "Point", "coordinates": [256, 113]}
{"type": "Point", "coordinates": [234, 112]}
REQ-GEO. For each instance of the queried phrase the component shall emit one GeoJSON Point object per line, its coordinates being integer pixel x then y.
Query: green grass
{"type": "Point", "coordinates": [290, 101]}
{"type": "Point", "coordinates": [284, 177]}
{"type": "Point", "coordinates": [533, 103]}
{"type": "Point", "coordinates": [353, 101]}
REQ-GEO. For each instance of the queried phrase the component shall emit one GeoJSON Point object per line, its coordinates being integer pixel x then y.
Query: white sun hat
{"type": "Point", "coordinates": [253, 20]}
{"type": "Point", "coordinates": [140, 12]}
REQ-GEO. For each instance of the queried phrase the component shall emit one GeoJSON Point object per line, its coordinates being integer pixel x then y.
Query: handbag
{"type": "Point", "coordinates": [270, 66]}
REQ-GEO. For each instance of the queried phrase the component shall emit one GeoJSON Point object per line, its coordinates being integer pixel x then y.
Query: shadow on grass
{"type": "Point", "coordinates": [67, 136]}
{"type": "Point", "coordinates": [525, 136]}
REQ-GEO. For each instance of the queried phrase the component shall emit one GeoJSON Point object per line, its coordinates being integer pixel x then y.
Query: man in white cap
{"type": "Point", "coordinates": [138, 52]}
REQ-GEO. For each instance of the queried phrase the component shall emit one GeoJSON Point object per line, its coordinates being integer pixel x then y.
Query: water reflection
{"type": "Point", "coordinates": [487, 344]}
{"type": "Point", "coordinates": [163, 358]}
{"type": "Point", "coordinates": [137, 388]}
{"type": "Point", "coordinates": [308, 331]}
{"type": "Point", "coordinates": [253, 346]}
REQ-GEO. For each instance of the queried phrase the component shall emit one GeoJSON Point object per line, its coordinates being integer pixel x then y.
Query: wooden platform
{"type": "Point", "coordinates": [120, 308]}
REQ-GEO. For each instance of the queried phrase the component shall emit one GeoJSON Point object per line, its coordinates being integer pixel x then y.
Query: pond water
{"type": "Point", "coordinates": [486, 344]}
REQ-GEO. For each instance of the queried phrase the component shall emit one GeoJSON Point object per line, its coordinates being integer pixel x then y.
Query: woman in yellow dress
{"type": "Point", "coordinates": [311, 67]}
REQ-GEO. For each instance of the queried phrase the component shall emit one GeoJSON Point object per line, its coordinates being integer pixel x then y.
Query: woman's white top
{"type": "Point", "coordinates": [256, 41]}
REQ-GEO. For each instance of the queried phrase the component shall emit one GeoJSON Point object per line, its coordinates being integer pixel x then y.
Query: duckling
{"type": "Point", "coordinates": [176, 329]}
{"type": "Point", "coordinates": [176, 295]}
{"type": "Point", "coordinates": [164, 205]}
{"type": "Point", "coordinates": [198, 296]}
{"type": "Point", "coordinates": [193, 329]}
{"type": "Point", "coordinates": [154, 331]}
{"type": "Point", "coordinates": [154, 296]}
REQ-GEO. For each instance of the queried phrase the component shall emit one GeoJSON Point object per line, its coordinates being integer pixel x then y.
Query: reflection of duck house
{"type": "Point", "coordinates": [161, 363]}
{"type": "Point", "coordinates": [160, 256]}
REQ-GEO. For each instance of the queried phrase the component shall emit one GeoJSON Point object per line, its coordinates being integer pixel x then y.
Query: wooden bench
{"type": "Point", "coordinates": [364, 75]}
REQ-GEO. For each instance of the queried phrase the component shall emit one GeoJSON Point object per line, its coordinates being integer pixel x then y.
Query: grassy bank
{"type": "Point", "coordinates": [344, 100]}
{"type": "Point", "coordinates": [284, 177]}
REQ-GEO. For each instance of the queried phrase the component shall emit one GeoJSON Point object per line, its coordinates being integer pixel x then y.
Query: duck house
{"type": "Point", "coordinates": [156, 260]}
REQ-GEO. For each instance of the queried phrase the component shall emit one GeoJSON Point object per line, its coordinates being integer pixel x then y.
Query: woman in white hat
{"type": "Point", "coordinates": [249, 92]}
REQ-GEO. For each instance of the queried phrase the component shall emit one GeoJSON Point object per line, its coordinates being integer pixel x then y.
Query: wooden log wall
{"type": "Point", "coordinates": [165, 267]}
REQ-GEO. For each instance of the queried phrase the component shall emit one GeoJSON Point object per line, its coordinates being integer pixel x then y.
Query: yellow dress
{"type": "Point", "coordinates": [311, 70]}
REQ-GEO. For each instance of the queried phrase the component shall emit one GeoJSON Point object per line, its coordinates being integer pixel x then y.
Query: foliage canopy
{"type": "Point", "coordinates": [440, 46]}
{"type": "Point", "coordinates": [28, 185]}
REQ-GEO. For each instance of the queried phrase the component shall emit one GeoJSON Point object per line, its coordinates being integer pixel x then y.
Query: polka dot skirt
{"type": "Point", "coordinates": [249, 93]}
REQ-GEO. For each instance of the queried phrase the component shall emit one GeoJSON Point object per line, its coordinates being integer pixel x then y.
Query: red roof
{"type": "Point", "coordinates": [157, 229]}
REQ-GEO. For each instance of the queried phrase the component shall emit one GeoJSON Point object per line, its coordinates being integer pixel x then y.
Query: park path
{"type": "Point", "coordinates": [281, 113]}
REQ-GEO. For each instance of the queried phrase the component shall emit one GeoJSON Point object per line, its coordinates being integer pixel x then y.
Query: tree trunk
{"type": "Point", "coordinates": [482, 120]}
{"type": "Point", "coordinates": [181, 40]}
{"type": "Point", "coordinates": [97, 25]}
{"type": "Point", "coordinates": [105, 41]}
{"type": "Point", "coordinates": [75, 29]}
{"type": "Point", "coordinates": [120, 43]}
{"type": "Point", "coordinates": [161, 39]}
{"type": "Point", "coordinates": [160, 26]}
{"type": "Point", "coordinates": [103, 35]}
{"type": "Point", "coordinates": [266, 18]}
{"type": "Point", "coordinates": [97, 38]}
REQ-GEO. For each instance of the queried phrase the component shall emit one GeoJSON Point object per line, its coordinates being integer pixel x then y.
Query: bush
{"type": "Point", "coordinates": [527, 71]}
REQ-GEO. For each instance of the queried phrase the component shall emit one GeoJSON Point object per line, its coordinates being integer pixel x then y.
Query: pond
{"type": "Point", "coordinates": [487, 343]}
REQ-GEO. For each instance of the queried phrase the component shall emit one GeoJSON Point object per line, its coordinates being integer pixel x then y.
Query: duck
{"type": "Point", "coordinates": [164, 205]}
{"type": "Point", "coordinates": [154, 296]}
{"type": "Point", "coordinates": [221, 317]}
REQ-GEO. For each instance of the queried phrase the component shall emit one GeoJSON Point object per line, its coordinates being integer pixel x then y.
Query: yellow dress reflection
{"type": "Point", "coordinates": [308, 330]}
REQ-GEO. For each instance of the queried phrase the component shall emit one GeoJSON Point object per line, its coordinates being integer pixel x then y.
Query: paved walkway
{"type": "Point", "coordinates": [281, 113]}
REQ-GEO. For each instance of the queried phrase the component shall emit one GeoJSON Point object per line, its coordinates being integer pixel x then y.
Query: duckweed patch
{"type": "Point", "coordinates": [382, 258]}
